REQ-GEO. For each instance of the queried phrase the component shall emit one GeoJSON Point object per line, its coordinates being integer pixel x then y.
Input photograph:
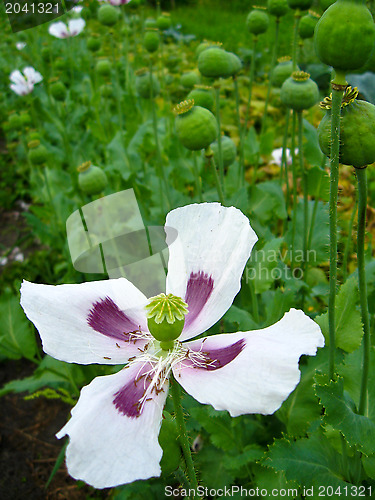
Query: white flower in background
{"type": "Point", "coordinates": [277, 155]}
{"type": "Point", "coordinates": [116, 2]}
{"type": "Point", "coordinates": [61, 30]}
{"type": "Point", "coordinates": [77, 9]}
{"type": "Point", "coordinates": [20, 45]}
{"type": "Point", "coordinates": [23, 84]}
{"type": "Point", "coordinates": [114, 426]}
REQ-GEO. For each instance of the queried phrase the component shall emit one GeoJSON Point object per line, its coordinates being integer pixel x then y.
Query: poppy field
{"type": "Point", "coordinates": [187, 268]}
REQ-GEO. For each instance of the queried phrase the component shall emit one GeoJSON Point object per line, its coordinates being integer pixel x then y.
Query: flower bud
{"type": "Point", "coordinates": [299, 91]}
{"type": "Point", "coordinates": [91, 179]}
{"type": "Point", "coordinates": [93, 43]}
{"type": "Point", "coordinates": [196, 127]}
{"type": "Point", "coordinates": [37, 154]}
{"type": "Point", "coordinates": [108, 15]}
{"type": "Point", "coordinates": [103, 67]}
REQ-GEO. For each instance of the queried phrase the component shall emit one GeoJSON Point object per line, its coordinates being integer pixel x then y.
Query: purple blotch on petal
{"type": "Point", "coordinates": [217, 358]}
{"type": "Point", "coordinates": [107, 318]}
{"type": "Point", "coordinates": [128, 400]}
{"type": "Point", "coordinates": [198, 291]}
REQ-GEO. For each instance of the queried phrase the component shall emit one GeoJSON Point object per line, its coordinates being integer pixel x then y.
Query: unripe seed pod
{"type": "Point", "coordinates": [357, 130]}
{"type": "Point", "coordinates": [307, 25]}
{"type": "Point", "coordinates": [58, 90]}
{"type": "Point", "coordinates": [91, 179]}
{"type": "Point", "coordinates": [151, 40]}
{"type": "Point", "coordinates": [218, 63]}
{"type": "Point", "coordinates": [189, 79]}
{"type": "Point", "coordinates": [345, 35]}
{"type": "Point", "coordinates": [277, 8]}
{"type": "Point", "coordinates": [282, 71]}
{"type": "Point", "coordinates": [106, 90]}
{"type": "Point", "coordinates": [33, 136]}
{"type": "Point", "coordinates": [37, 154]}
{"type": "Point", "coordinates": [257, 21]}
{"type": "Point", "coordinates": [228, 149]}
{"type": "Point", "coordinates": [143, 84]}
{"type": "Point", "coordinates": [14, 122]}
{"type": "Point", "coordinates": [202, 96]}
{"type": "Point", "coordinates": [93, 43]}
{"type": "Point", "coordinates": [299, 92]}
{"type": "Point", "coordinates": [207, 45]}
{"type": "Point", "coordinates": [164, 21]}
{"type": "Point", "coordinates": [151, 23]}
{"type": "Point", "coordinates": [300, 4]}
{"type": "Point", "coordinates": [25, 119]}
{"type": "Point", "coordinates": [196, 127]}
{"type": "Point", "coordinates": [103, 67]}
{"type": "Point", "coordinates": [108, 15]}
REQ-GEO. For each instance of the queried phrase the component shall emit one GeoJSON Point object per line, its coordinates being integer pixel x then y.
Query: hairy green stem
{"type": "Point", "coordinates": [362, 204]}
{"type": "Point", "coordinates": [338, 87]}
{"type": "Point", "coordinates": [294, 215]}
{"type": "Point", "coordinates": [305, 190]}
{"type": "Point", "coordinates": [348, 243]}
{"type": "Point", "coordinates": [273, 63]}
{"type": "Point", "coordinates": [117, 81]}
{"type": "Point", "coordinates": [184, 440]}
{"type": "Point", "coordinates": [219, 146]}
{"type": "Point", "coordinates": [198, 179]}
{"type": "Point", "coordinates": [297, 18]}
{"type": "Point", "coordinates": [252, 73]}
{"type": "Point", "coordinates": [241, 170]}
{"type": "Point", "coordinates": [210, 159]}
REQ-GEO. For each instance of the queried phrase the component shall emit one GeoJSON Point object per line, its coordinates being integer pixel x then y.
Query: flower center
{"type": "Point", "coordinates": [166, 318]}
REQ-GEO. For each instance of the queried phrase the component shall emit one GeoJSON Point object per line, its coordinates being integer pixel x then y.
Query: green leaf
{"type": "Point", "coordinates": [311, 461]}
{"type": "Point", "coordinates": [219, 428]}
{"type": "Point", "coordinates": [270, 480]}
{"type": "Point", "coordinates": [349, 330]}
{"type": "Point", "coordinates": [318, 183]}
{"type": "Point", "coordinates": [250, 453]}
{"type": "Point", "coordinates": [369, 465]}
{"type": "Point", "coordinates": [302, 407]}
{"type": "Point", "coordinates": [17, 337]}
{"type": "Point", "coordinates": [311, 150]}
{"type": "Point", "coordinates": [237, 319]}
{"type": "Point", "coordinates": [212, 468]}
{"type": "Point", "coordinates": [262, 262]}
{"type": "Point", "coordinates": [339, 413]}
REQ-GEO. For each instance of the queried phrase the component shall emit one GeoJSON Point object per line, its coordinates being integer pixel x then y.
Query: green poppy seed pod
{"type": "Point", "coordinates": [143, 84]}
{"type": "Point", "coordinates": [103, 67]}
{"type": "Point", "coordinates": [282, 71]}
{"type": "Point", "coordinates": [345, 35]}
{"type": "Point", "coordinates": [37, 154]}
{"type": "Point", "coordinates": [151, 40]}
{"type": "Point", "coordinates": [164, 21]}
{"type": "Point", "coordinates": [33, 136]}
{"type": "Point", "coordinates": [357, 130]}
{"type": "Point", "coordinates": [257, 21]}
{"type": "Point", "coordinates": [151, 23]}
{"type": "Point", "coordinates": [189, 79]}
{"type": "Point", "coordinates": [196, 127]}
{"type": "Point", "coordinates": [25, 119]}
{"type": "Point", "coordinates": [300, 4]}
{"type": "Point", "coordinates": [203, 96]}
{"type": "Point", "coordinates": [277, 8]}
{"type": "Point", "coordinates": [307, 25]}
{"type": "Point", "coordinates": [168, 440]}
{"type": "Point", "coordinates": [218, 63]}
{"type": "Point", "coordinates": [228, 149]}
{"type": "Point", "coordinates": [58, 90]}
{"type": "Point", "coordinates": [106, 90]}
{"type": "Point", "coordinates": [93, 43]}
{"type": "Point", "coordinates": [324, 4]}
{"type": "Point", "coordinates": [299, 92]}
{"type": "Point", "coordinates": [166, 318]}
{"type": "Point", "coordinates": [91, 179]}
{"type": "Point", "coordinates": [14, 122]}
{"type": "Point", "coordinates": [108, 15]}
{"type": "Point", "coordinates": [206, 45]}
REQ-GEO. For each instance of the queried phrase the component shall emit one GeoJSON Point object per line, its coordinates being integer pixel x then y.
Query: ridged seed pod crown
{"type": "Point", "coordinates": [299, 91]}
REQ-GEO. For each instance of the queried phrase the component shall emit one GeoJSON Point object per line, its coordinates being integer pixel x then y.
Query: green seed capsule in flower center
{"type": "Point", "coordinates": [166, 318]}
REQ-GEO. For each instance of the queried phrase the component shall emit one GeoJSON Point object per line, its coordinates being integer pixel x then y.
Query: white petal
{"type": "Point", "coordinates": [62, 316]}
{"type": "Point", "coordinates": [17, 77]}
{"type": "Point", "coordinates": [59, 30]}
{"type": "Point", "coordinates": [206, 260]}
{"type": "Point", "coordinates": [108, 448]}
{"type": "Point", "coordinates": [20, 89]}
{"type": "Point", "coordinates": [76, 26]}
{"type": "Point", "coordinates": [32, 75]}
{"type": "Point", "coordinates": [261, 375]}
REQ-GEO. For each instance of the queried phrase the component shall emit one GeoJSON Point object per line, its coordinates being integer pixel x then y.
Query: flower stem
{"type": "Point", "coordinates": [210, 159]}
{"type": "Point", "coordinates": [273, 62]}
{"type": "Point", "coordinates": [338, 88]}
{"type": "Point", "coordinates": [294, 215]}
{"type": "Point", "coordinates": [198, 179]}
{"type": "Point", "coordinates": [117, 81]}
{"type": "Point", "coordinates": [347, 243]}
{"type": "Point", "coordinates": [362, 204]}
{"type": "Point", "coordinates": [305, 189]}
{"type": "Point", "coordinates": [184, 440]}
{"type": "Point", "coordinates": [252, 72]}
{"type": "Point", "coordinates": [297, 18]}
{"type": "Point", "coordinates": [241, 172]}
{"type": "Point", "coordinates": [219, 147]}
